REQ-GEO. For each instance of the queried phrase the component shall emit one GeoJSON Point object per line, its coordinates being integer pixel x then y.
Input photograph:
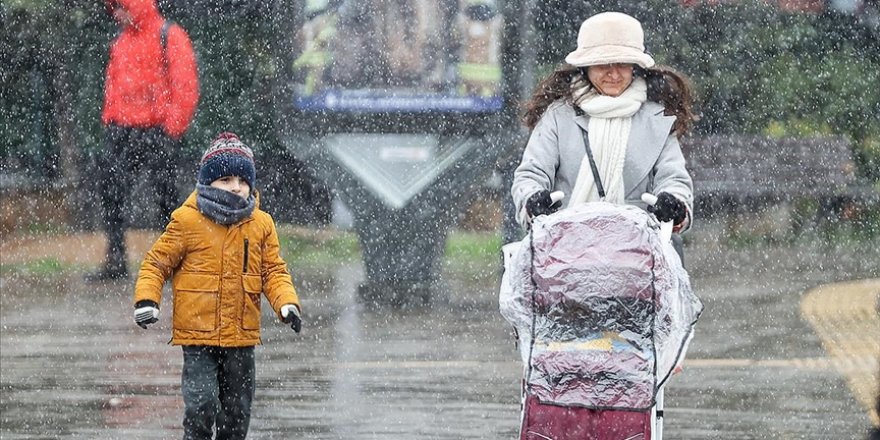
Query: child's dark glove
{"type": "Point", "coordinates": [540, 203]}
{"type": "Point", "coordinates": [146, 312]}
{"type": "Point", "coordinates": [668, 207]}
{"type": "Point", "coordinates": [290, 315]}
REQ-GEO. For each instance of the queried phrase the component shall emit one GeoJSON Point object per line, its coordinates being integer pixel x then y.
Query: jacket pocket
{"type": "Point", "coordinates": [250, 311]}
{"type": "Point", "coordinates": [196, 298]}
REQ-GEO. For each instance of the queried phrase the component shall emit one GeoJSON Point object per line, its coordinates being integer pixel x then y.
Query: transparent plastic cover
{"type": "Point", "coordinates": [606, 302]}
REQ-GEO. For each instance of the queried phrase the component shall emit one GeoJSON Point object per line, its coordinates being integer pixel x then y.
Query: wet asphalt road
{"type": "Point", "coordinates": [75, 367]}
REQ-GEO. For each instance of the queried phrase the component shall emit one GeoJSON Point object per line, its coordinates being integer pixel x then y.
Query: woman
{"type": "Point", "coordinates": [611, 97]}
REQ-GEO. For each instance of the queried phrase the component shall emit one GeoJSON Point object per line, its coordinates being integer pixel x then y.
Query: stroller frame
{"type": "Point", "coordinates": [646, 416]}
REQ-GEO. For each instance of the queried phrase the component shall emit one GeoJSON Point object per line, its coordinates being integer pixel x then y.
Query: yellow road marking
{"type": "Point", "coordinates": [845, 317]}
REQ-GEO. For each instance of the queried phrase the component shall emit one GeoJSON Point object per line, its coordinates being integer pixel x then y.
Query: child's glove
{"type": "Point", "coordinates": [290, 315]}
{"type": "Point", "coordinates": [146, 312]}
{"type": "Point", "coordinates": [668, 207]}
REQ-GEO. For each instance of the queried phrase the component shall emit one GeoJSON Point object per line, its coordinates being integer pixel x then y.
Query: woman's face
{"type": "Point", "coordinates": [610, 79]}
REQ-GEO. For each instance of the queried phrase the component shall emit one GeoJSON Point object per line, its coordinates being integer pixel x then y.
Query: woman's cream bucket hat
{"type": "Point", "coordinates": [610, 38]}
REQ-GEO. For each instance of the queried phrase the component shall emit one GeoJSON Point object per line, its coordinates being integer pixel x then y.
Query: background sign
{"type": "Point", "coordinates": [408, 56]}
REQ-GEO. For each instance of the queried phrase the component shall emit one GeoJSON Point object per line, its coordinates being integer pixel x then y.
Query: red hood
{"type": "Point", "coordinates": [143, 12]}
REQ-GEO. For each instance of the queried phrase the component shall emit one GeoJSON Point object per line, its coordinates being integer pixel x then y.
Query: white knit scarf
{"type": "Point", "coordinates": [609, 128]}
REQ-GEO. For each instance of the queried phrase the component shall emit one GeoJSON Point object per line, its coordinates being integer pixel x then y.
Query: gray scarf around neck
{"type": "Point", "coordinates": [223, 206]}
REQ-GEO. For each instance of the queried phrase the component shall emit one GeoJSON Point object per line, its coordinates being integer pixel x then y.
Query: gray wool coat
{"type": "Point", "coordinates": [552, 158]}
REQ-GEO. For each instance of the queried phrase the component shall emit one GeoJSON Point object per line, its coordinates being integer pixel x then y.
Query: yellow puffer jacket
{"type": "Point", "coordinates": [218, 273]}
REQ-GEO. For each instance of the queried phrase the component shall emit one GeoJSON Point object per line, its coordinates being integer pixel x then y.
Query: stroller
{"type": "Point", "coordinates": [603, 311]}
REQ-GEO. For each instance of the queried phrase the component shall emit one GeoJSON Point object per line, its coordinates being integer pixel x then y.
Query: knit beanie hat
{"type": "Point", "coordinates": [227, 156]}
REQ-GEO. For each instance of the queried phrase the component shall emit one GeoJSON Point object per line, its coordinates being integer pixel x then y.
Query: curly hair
{"type": "Point", "coordinates": [666, 86]}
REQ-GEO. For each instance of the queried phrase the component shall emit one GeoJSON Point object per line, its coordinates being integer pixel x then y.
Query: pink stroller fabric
{"type": "Point", "coordinates": [603, 308]}
{"type": "Point", "coordinates": [541, 422]}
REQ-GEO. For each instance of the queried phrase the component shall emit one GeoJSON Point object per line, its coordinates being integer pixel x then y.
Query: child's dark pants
{"type": "Point", "coordinates": [127, 151]}
{"type": "Point", "coordinates": [218, 387]}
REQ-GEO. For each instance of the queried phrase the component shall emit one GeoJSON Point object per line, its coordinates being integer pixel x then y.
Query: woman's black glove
{"type": "Point", "coordinates": [668, 207]}
{"type": "Point", "coordinates": [540, 203]}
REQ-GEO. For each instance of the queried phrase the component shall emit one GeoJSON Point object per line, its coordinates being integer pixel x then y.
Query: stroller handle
{"type": "Point", "coordinates": [665, 227]}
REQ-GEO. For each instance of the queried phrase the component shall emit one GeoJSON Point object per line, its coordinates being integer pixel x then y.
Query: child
{"type": "Point", "coordinates": [221, 252]}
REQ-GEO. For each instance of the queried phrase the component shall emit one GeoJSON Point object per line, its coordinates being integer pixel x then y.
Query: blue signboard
{"type": "Point", "coordinates": [372, 101]}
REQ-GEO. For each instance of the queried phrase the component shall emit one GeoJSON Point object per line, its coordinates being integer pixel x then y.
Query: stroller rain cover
{"type": "Point", "coordinates": [602, 307]}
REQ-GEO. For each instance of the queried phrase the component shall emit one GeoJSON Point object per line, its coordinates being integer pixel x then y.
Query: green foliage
{"type": "Point", "coordinates": [473, 255]}
{"type": "Point", "coordinates": [868, 154]}
{"type": "Point", "coordinates": [40, 267]}
{"type": "Point", "coordinates": [755, 69]}
{"type": "Point", "coordinates": [465, 251]}
{"type": "Point", "coordinates": [302, 248]}
{"type": "Point", "coordinates": [237, 71]}
{"type": "Point", "coordinates": [30, 6]}
{"type": "Point", "coordinates": [800, 128]}
{"type": "Point", "coordinates": [53, 53]}
{"type": "Point", "coordinates": [466, 247]}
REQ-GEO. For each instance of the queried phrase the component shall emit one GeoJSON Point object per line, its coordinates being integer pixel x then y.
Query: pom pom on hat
{"type": "Point", "coordinates": [227, 156]}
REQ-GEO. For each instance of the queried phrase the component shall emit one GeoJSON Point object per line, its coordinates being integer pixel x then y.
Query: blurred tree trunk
{"type": "Point", "coordinates": [56, 54]}
{"type": "Point", "coordinates": [68, 162]}
{"type": "Point", "coordinates": [63, 88]}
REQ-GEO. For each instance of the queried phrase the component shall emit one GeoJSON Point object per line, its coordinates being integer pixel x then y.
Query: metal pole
{"type": "Point", "coordinates": [658, 411]}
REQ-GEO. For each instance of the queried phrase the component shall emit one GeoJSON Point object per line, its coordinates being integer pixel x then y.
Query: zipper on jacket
{"type": "Point", "coordinates": [244, 269]}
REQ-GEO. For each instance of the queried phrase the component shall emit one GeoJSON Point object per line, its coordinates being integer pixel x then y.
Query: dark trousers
{"type": "Point", "coordinates": [218, 387]}
{"type": "Point", "coordinates": [129, 151]}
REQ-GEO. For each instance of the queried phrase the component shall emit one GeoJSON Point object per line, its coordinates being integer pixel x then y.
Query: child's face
{"type": "Point", "coordinates": [233, 184]}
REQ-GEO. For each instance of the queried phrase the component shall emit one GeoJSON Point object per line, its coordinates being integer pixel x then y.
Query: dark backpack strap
{"type": "Point", "coordinates": [164, 36]}
{"type": "Point", "coordinates": [593, 166]}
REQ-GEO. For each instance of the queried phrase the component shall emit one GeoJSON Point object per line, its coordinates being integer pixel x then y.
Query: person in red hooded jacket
{"type": "Point", "coordinates": [151, 91]}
